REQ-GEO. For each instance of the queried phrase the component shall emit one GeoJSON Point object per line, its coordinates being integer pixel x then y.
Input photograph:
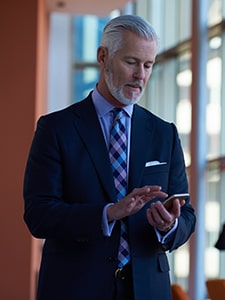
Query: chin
{"type": "Point", "coordinates": [128, 101]}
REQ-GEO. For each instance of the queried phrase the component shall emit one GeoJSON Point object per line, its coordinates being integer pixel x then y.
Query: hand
{"type": "Point", "coordinates": [133, 202]}
{"type": "Point", "coordinates": [158, 216]}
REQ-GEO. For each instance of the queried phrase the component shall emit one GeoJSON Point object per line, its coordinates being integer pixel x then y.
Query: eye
{"type": "Point", "coordinates": [148, 66]}
{"type": "Point", "coordinates": [131, 62]}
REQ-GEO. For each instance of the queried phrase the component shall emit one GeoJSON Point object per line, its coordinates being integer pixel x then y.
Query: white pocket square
{"type": "Point", "coordinates": [154, 163]}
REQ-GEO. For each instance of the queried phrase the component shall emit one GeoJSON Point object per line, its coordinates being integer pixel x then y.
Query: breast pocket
{"type": "Point", "coordinates": [156, 175]}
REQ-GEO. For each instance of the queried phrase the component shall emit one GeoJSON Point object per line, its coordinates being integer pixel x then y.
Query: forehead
{"type": "Point", "coordinates": [137, 47]}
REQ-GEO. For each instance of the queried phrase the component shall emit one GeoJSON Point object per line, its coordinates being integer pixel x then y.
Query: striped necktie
{"type": "Point", "coordinates": [118, 157]}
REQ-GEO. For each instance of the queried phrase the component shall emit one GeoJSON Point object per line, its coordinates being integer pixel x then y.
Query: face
{"type": "Point", "coordinates": [124, 76]}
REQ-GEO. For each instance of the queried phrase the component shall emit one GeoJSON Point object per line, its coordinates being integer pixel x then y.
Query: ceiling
{"type": "Point", "coordinates": [92, 7]}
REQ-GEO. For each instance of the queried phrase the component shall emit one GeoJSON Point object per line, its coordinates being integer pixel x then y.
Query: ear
{"type": "Point", "coordinates": [102, 55]}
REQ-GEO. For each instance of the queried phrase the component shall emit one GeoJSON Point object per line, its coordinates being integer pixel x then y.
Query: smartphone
{"type": "Point", "coordinates": [169, 201]}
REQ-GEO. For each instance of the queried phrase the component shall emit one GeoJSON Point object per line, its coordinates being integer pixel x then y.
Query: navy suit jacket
{"type": "Point", "coordinates": [68, 181]}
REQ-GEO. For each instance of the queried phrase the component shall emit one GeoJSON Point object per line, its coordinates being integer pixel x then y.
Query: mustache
{"type": "Point", "coordinates": [136, 84]}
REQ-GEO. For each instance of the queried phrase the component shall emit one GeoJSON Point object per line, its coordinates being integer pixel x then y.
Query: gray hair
{"type": "Point", "coordinates": [112, 37]}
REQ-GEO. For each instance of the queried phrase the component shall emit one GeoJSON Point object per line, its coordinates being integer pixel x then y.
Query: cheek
{"type": "Point", "coordinates": [117, 79]}
{"type": "Point", "coordinates": [120, 75]}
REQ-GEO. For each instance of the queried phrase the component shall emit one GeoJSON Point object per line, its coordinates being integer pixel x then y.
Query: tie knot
{"type": "Point", "coordinates": [117, 113]}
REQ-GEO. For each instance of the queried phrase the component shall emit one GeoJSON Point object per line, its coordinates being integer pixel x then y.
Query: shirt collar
{"type": "Point", "coordinates": [103, 107]}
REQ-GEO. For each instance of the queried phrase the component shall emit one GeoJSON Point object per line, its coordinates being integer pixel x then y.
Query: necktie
{"type": "Point", "coordinates": [118, 158]}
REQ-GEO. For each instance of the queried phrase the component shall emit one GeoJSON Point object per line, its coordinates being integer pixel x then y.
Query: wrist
{"type": "Point", "coordinates": [109, 213]}
{"type": "Point", "coordinates": [166, 229]}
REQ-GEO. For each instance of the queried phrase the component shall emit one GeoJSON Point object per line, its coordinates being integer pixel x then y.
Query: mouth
{"type": "Point", "coordinates": [134, 88]}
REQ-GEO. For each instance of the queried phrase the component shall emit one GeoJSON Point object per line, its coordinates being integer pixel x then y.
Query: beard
{"type": "Point", "coordinates": [117, 92]}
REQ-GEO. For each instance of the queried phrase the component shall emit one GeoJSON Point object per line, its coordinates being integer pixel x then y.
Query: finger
{"type": "Point", "coordinates": [182, 202]}
{"type": "Point", "coordinates": [155, 188]}
{"type": "Point", "coordinates": [158, 194]}
{"type": "Point", "coordinates": [131, 204]}
{"type": "Point", "coordinates": [153, 195]}
{"type": "Point", "coordinates": [160, 223]}
{"type": "Point", "coordinates": [150, 218]}
{"type": "Point", "coordinates": [164, 214]}
{"type": "Point", "coordinates": [154, 219]}
{"type": "Point", "coordinates": [156, 216]}
{"type": "Point", "coordinates": [175, 209]}
{"type": "Point", "coordinates": [146, 189]}
{"type": "Point", "coordinates": [141, 191]}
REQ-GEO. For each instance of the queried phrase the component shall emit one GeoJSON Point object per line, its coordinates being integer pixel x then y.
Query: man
{"type": "Point", "coordinates": [77, 200]}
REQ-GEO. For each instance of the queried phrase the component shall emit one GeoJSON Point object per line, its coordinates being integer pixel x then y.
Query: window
{"type": "Point", "coordinates": [87, 31]}
{"type": "Point", "coordinates": [169, 96]}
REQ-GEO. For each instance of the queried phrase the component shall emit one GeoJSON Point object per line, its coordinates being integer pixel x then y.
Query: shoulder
{"type": "Point", "coordinates": [152, 120]}
{"type": "Point", "coordinates": [66, 115]}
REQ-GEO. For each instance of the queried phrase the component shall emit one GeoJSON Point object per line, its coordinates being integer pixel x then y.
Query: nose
{"type": "Point", "coordinates": [139, 72]}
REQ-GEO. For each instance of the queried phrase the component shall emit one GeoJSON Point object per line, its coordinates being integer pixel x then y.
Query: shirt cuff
{"type": "Point", "coordinates": [163, 239]}
{"type": "Point", "coordinates": [107, 227]}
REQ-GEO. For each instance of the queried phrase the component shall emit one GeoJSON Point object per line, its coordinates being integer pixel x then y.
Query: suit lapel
{"type": "Point", "coordinates": [88, 126]}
